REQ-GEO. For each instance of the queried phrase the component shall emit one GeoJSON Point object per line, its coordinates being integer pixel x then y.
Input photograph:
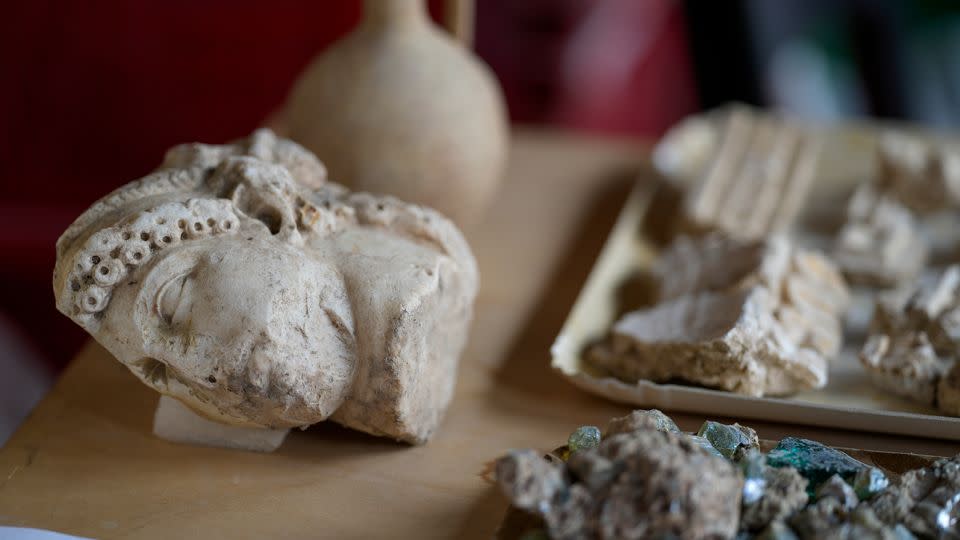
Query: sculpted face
{"type": "Point", "coordinates": [258, 302]}
{"type": "Point", "coordinates": [241, 325]}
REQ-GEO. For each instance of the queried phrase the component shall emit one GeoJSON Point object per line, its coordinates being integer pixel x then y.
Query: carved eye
{"type": "Point", "coordinates": [173, 300]}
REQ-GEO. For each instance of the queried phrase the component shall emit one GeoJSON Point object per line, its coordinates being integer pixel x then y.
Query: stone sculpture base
{"type": "Point", "coordinates": [175, 422]}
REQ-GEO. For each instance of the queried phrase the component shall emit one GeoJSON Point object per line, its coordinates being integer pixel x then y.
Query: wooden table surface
{"type": "Point", "coordinates": [85, 461]}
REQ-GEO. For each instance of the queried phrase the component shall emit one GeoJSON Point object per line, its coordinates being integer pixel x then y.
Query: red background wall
{"type": "Point", "coordinates": [93, 92]}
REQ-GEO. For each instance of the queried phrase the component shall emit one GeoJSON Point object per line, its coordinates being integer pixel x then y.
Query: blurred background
{"type": "Point", "coordinates": [94, 92]}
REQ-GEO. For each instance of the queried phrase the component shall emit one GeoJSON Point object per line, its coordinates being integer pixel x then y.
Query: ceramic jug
{"type": "Point", "coordinates": [401, 107]}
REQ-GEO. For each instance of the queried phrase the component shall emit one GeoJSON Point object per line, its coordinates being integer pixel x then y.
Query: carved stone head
{"type": "Point", "coordinates": [238, 280]}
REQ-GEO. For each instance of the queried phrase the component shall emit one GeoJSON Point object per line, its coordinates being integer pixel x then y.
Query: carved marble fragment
{"type": "Point", "coordinates": [748, 174]}
{"type": "Point", "coordinates": [752, 317]}
{"type": "Point", "coordinates": [237, 280]}
{"type": "Point", "coordinates": [912, 350]}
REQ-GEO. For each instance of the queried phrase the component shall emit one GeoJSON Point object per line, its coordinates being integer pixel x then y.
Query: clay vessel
{"type": "Point", "coordinates": [400, 107]}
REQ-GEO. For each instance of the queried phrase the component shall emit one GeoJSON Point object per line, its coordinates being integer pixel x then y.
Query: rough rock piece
{"type": "Point", "coordinates": [758, 318]}
{"type": "Point", "coordinates": [922, 175]}
{"type": "Point", "coordinates": [784, 493]}
{"type": "Point", "coordinates": [639, 484]}
{"type": "Point", "coordinates": [817, 520]}
{"type": "Point", "coordinates": [584, 438]}
{"type": "Point", "coordinates": [238, 281]}
{"type": "Point", "coordinates": [729, 439]}
{"type": "Point", "coordinates": [913, 351]}
{"type": "Point", "coordinates": [719, 262]}
{"type": "Point", "coordinates": [905, 365]}
{"type": "Point", "coordinates": [640, 419]}
{"type": "Point", "coordinates": [827, 519]}
{"type": "Point", "coordinates": [840, 490]}
{"type": "Point", "coordinates": [810, 284]}
{"type": "Point", "coordinates": [869, 482]}
{"type": "Point", "coordinates": [881, 243]}
{"type": "Point", "coordinates": [757, 179]}
{"type": "Point", "coordinates": [528, 480]}
{"type": "Point", "coordinates": [926, 500]}
{"type": "Point", "coordinates": [728, 340]}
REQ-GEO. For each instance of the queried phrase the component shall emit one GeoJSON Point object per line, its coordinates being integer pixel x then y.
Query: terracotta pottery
{"type": "Point", "coordinates": [400, 107]}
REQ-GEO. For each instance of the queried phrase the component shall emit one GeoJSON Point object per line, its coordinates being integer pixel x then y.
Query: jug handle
{"type": "Point", "coordinates": [458, 18]}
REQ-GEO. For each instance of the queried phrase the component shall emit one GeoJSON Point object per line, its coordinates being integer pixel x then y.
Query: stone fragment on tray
{"type": "Point", "coordinates": [622, 489]}
{"type": "Point", "coordinates": [913, 351]}
{"type": "Point", "coordinates": [239, 281]}
{"type": "Point", "coordinates": [881, 243]}
{"type": "Point", "coordinates": [764, 327]}
{"type": "Point", "coordinates": [923, 175]}
{"type": "Point", "coordinates": [757, 178]}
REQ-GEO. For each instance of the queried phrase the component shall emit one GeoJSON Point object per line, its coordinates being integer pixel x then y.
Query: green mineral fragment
{"type": "Point", "coordinates": [584, 438]}
{"type": "Point", "coordinates": [727, 439]}
{"type": "Point", "coordinates": [868, 482]}
{"type": "Point", "coordinates": [705, 444]}
{"type": "Point", "coordinates": [815, 462]}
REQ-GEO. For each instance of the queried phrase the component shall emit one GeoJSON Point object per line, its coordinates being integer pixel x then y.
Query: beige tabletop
{"type": "Point", "coordinates": [86, 463]}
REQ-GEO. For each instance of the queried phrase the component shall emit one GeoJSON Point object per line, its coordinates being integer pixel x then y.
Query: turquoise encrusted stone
{"type": "Point", "coordinates": [727, 439]}
{"type": "Point", "coordinates": [584, 438]}
{"type": "Point", "coordinates": [814, 461]}
{"type": "Point", "coordinates": [868, 482]}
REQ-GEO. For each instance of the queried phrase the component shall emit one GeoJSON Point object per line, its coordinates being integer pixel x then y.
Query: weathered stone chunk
{"type": "Point", "coordinates": [869, 482]}
{"type": "Point", "coordinates": [926, 501]}
{"type": "Point", "coordinates": [913, 348]}
{"type": "Point", "coordinates": [528, 480]}
{"type": "Point", "coordinates": [881, 244]}
{"type": "Point", "coordinates": [784, 493]}
{"type": "Point", "coordinates": [640, 419]}
{"type": "Point", "coordinates": [765, 326]}
{"type": "Point", "coordinates": [839, 489]}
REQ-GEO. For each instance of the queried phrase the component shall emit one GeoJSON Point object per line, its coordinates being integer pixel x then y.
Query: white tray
{"type": "Point", "coordinates": [848, 401]}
